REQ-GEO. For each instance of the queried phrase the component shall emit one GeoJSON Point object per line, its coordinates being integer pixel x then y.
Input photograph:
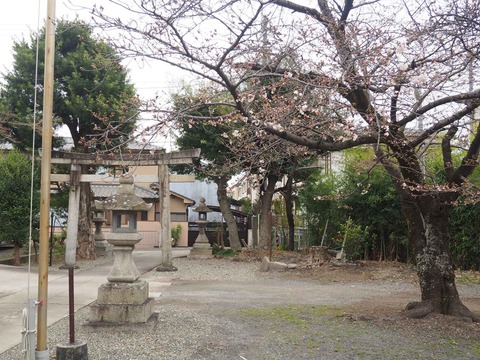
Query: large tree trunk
{"type": "Point", "coordinates": [415, 229]}
{"type": "Point", "coordinates": [288, 197]}
{"type": "Point", "coordinates": [291, 223]}
{"type": "Point", "coordinates": [16, 255]}
{"type": "Point", "coordinates": [409, 207]}
{"type": "Point", "coordinates": [434, 262]}
{"type": "Point", "coordinates": [86, 243]}
{"type": "Point", "coordinates": [224, 202]}
{"type": "Point", "coordinates": [427, 220]}
{"type": "Point", "coordinates": [265, 226]}
{"type": "Point", "coordinates": [265, 222]}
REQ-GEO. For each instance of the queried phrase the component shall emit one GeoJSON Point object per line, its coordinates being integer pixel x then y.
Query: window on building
{"type": "Point", "coordinates": [178, 217]}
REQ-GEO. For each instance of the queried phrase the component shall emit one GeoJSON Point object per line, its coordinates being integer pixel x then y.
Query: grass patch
{"type": "Point", "coordinates": [292, 314]}
{"type": "Point", "coordinates": [300, 317]}
{"type": "Point", "coordinates": [308, 329]}
{"type": "Point", "coordinates": [320, 329]}
{"type": "Point", "coordinates": [476, 349]}
{"type": "Point", "coordinates": [470, 277]}
{"type": "Point", "coordinates": [222, 252]}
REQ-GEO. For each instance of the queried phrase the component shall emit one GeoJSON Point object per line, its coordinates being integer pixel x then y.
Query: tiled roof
{"type": "Point", "coordinates": [185, 199]}
{"type": "Point", "coordinates": [102, 191]}
{"type": "Point", "coordinates": [106, 190]}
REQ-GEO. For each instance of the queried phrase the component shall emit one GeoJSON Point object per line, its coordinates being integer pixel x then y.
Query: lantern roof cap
{"type": "Point", "coordinates": [202, 207]}
{"type": "Point", "coordinates": [125, 198]}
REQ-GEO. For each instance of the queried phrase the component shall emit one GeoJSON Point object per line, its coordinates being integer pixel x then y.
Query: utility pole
{"type": "Point", "coordinates": [42, 350]}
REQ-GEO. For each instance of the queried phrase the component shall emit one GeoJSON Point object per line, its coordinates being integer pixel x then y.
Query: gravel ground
{"type": "Point", "coordinates": [223, 309]}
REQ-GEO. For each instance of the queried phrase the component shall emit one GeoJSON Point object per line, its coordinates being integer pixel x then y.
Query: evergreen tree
{"type": "Point", "coordinates": [92, 94]}
{"type": "Point", "coordinates": [15, 185]}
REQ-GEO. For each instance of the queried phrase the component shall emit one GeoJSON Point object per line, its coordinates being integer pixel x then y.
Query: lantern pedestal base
{"type": "Point", "coordinates": [103, 248]}
{"type": "Point", "coordinates": [123, 269]}
{"type": "Point", "coordinates": [200, 251]}
{"type": "Point", "coordinates": [122, 303]}
{"type": "Point", "coordinates": [202, 248]}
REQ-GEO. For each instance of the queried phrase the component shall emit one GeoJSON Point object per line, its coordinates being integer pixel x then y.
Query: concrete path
{"type": "Point", "coordinates": [14, 291]}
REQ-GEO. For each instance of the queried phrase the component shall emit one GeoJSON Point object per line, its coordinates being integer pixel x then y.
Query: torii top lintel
{"type": "Point", "coordinates": [155, 158]}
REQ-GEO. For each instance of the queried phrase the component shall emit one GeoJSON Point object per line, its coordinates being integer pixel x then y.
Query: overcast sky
{"type": "Point", "coordinates": [20, 17]}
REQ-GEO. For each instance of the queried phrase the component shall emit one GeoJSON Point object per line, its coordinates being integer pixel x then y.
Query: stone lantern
{"type": "Point", "coordinates": [124, 299]}
{"type": "Point", "coordinates": [201, 248]}
{"type": "Point", "coordinates": [101, 245]}
{"type": "Point", "coordinates": [123, 237]}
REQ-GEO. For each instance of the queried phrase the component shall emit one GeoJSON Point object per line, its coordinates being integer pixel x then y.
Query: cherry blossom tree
{"type": "Point", "coordinates": [229, 148]}
{"type": "Point", "coordinates": [393, 75]}
{"type": "Point", "coordinates": [216, 160]}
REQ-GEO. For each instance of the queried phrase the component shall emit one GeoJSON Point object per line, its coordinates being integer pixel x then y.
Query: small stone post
{"type": "Point", "coordinates": [124, 298]}
{"type": "Point", "coordinates": [201, 249]}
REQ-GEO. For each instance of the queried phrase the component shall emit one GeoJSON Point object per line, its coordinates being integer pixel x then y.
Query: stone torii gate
{"type": "Point", "coordinates": [162, 160]}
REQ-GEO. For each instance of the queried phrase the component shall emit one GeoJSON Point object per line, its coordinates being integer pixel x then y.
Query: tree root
{"type": "Point", "coordinates": [420, 309]}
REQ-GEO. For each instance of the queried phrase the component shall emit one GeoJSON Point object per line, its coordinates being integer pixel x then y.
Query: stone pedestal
{"type": "Point", "coordinates": [124, 299]}
{"type": "Point", "coordinates": [122, 303]}
{"type": "Point", "coordinates": [123, 269]}
{"type": "Point", "coordinates": [200, 251]}
{"type": "Point", "coordinates": [202, 248]}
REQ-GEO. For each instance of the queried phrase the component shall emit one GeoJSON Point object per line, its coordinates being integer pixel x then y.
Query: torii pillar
{"type": "Point", "coordinates": [73, 214]}
{"type": "Point", "coordinates": [164, 202]}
